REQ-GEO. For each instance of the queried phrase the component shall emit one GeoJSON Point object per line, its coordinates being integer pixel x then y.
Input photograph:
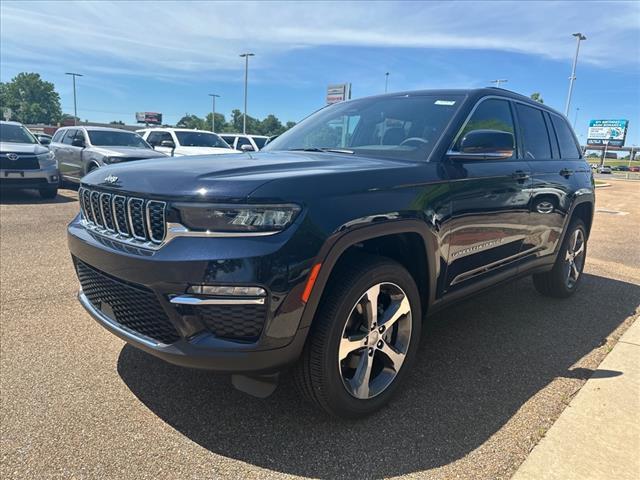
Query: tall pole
{"type": "Point", "coordinates": [75, 104]}
{"type": "Point", "coordinates": [386, 82]}
{"type": "Point", "coordinates": [213, 111]}
{"type": "Point", "coordinates": [499, 81]}
{"type": "Point", "coordinates": [246, 77]}
{"type": "Point", "coordinates": [579, 38]}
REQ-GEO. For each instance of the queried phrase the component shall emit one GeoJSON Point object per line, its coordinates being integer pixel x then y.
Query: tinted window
{"type": "Point", "coordinates": [200, 139]}
{"type": "Point", "coordinates": [156, 138]}
{"type": "Point", "coordinates": [229, 139]}
{"type": "Point", "coordinates": [260, 141]}
{"type": "Point", "coordinates": [492, 114]}
{"type": "Point", "coordinates": [111, 138]}
{"type": "Point", "coordinates": [534, 133]}
{"type": "Point", "coordinates": [15, 134]}
{"type": "Point", "coordinates": [243, 141]}
{"type": "Point", "coordinates": [568, 148]}
{"type": "Point", "coordinates": [68, 138]}
{"type": "Point", "coordinates": [552, 136]}
{"type": "Point", "coordinates": [403, 127]}
{"type": "Point", "coordinates": [57, 137]}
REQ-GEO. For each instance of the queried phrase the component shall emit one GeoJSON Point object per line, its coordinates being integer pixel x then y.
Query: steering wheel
{"type": "Point", "coordinates": [414, 139]}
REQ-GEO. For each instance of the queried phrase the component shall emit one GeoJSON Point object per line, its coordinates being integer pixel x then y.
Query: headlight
{"type": "Point", "coordinates": [111, 159]}
{"type": "Point", "coordinates": [46, 159]}
{"type": "Point", "coordinates": [237, 218]}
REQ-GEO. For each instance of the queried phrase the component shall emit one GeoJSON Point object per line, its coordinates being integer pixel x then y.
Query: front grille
{"type": "Point", "coordinates": [23, 162]}
{"type": "Point", "coordinates": [123, 218]}
{"type": "Point", "coordinates": [237, 322]}
{"type": "Point", "coordinates": [134, 307]}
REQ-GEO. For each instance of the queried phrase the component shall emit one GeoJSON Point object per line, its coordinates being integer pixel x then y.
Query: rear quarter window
{"type": "Point", "coordinates": [568, 147]}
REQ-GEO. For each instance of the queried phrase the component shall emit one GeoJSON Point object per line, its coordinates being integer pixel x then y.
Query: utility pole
{"type": "Point", "coordinates": [386, 82]}
{"type": "Point", "coordinates": [213, 111]}
{"type": "Point", "coordinates": [499, 81]}
{"type": "Point", "coordinates": [246, 77]}
{"type": "Point", "coordinates": [579, 38]}
{"type": "Point", "coordinates": [75, 104]}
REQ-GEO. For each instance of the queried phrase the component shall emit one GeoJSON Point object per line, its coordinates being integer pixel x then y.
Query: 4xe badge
{"type": "Point", "coordinates": [111, 179]}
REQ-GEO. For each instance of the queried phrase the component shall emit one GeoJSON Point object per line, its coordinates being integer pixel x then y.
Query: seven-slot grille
{"type": "Point", "coordinates": [123, 217]}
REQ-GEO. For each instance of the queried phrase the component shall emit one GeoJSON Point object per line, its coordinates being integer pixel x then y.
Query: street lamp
{"type": "Point", "coordinates": [499, 81]}
{"type": "Point", "coordinates": [213, 111]}
{"type": "Point", "coordinates": [579, 38]}
{"type": "Point", "coordinates": [75, 105]}
{"type": "Point", "coordinates": [386, 82]}
{"type": "Point", "coordinates": [246, 76]}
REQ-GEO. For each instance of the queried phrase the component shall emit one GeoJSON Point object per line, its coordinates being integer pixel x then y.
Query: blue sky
{"type": "Point", "coordinates": [166, 57]}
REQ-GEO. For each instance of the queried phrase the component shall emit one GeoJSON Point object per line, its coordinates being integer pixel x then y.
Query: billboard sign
{"type": "Point", "coordinates": [152, 118]}
{"type": "Point", "coordinates": [338, 93]}
{"type": "Point", "coordinates": [607, 132]}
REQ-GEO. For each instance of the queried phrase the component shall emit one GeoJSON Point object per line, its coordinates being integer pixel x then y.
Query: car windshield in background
{"type": "Point", "coordinates": [260, 141]}
{"type": "Point", "coordinates": [107, 138]}
{"type": "Point", "coordinates": [15, 134]}
{"type": "Point", "coordinates": [403, 127]}
{"type": "Point", "coordinates": [201, 139]}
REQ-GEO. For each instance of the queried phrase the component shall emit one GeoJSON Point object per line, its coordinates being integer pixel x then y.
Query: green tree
{"type": "Point", "coordinates": [192, 121]}
{"type": "Point", "coordinates": [537, 97]}
{"type": "Point", "coordinates": [30, 99]}
{"type": "Point", "coordinates": [221, 123]}
{"type": "Point", "coordinates": [270, 126]}
{"type": "Point", "coordinates": [116, 122]}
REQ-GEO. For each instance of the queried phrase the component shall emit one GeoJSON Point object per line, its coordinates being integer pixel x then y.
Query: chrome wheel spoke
{"type": "Point", "coordinates": [371, 306]}
{"type": "Point", "coordinates": [360, 381]}
{"type": "Point", "coordinates": [351, 344]}
{"type": "Point", "coordinates": [579, 250]}
{"type": "Point", "coordinates": [395, 312]}
{"type": "Point", "coordinates": [395, 357]}
{"type": "Point", "coordinates": [574, 272]}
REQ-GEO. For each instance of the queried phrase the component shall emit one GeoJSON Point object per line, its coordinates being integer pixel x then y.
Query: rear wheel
{"type": "Point", "coordinates": [563, 280]}
{"type": "Point", "coordinates": [363, 340]}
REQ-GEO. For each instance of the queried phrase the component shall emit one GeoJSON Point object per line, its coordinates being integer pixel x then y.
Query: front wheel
{"type": "Point", "coordinates": [563, 280]}
{"type": "Point", "coordinates": [363, 340]}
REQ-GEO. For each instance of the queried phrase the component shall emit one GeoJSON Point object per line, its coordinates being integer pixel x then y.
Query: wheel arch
{"type": "Point", "coordinates": [380, 239]}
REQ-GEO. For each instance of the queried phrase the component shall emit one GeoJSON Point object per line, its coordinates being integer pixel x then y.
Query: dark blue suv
{"type": "Point", "coordinates": [325, 251]}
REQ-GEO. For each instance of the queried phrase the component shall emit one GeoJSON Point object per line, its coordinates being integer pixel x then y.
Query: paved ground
{"type": "Point", "coordinates": [493, 375]}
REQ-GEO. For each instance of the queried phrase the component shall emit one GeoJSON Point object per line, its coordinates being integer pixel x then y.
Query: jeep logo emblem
{"type": "Point", "coordinates": [12, 156]}
{"type": "Point", "coordinates": [111, 179]}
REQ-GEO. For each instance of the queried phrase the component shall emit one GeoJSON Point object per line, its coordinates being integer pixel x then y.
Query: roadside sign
{"type": "Point", "coordinates": [338, 93]}
{"type": "Point", "coordinates": [607, 132]}
{"type": "Point", "coordinates": [153, 118]}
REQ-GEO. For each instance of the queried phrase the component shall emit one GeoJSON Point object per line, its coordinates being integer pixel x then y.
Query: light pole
{"type": "Point", "coordinates": [246, 76]}
{"type": "Point", "coordinates": [386, 82]}
{"type": "Point", "coordinates": [499, 81]}
{"type": "Point", "coordinates": [575, 119]}
{"type": "Point", "coordinates": [579, 38]}
{"type": "Point", "coordinates": [213, 111]}
{"type": "Point", "coordinates": [75, 105]}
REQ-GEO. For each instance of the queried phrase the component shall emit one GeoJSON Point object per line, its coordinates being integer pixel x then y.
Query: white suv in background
{"type": "Point", "coordinates": [242, 142]}
{"type": "Point", "coordinates": [185, 141]}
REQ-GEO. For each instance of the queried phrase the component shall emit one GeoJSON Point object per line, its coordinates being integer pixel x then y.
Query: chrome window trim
{"type": "Point", "coordinates": [102, 211]}
{"type": "Point", "coordinates": [164, 219]}
{"type": "Point", "coordinates": [115, 215]}
{"type": "Point", "coordinates": [133, 230]}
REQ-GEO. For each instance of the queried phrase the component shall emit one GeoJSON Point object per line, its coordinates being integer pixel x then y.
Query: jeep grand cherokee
{"type": "Point", "coordinates": [324, 251]}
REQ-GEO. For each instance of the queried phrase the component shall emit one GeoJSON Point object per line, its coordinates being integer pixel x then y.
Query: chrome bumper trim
{"type": "Point", "coordinates": [189, 300]}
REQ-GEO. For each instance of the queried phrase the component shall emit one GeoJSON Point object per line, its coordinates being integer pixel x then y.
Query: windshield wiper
{"type": "Point", "coordinates": [325, 150]}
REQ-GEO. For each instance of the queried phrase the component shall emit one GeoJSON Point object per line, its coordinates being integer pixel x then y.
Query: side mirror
{"type": "Point", "coordinates": [78, 142]}
{"type": "Point", "coordinates": [485, 144]}
{"type": "Point", "coordinates": [45, 141]}
{"type": "Point", "coordinates": [247, 148]}
{"type": "Point", "coordinates": [167, 143]}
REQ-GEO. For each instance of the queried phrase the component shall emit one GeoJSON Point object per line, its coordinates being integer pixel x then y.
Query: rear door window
{"type": "Point", "coordinates": [535, 138]}
{"type": "Point", "coordinates": [243, 141]}
{"type": "Point", "coordinates": [68, 138]}
{"type": "Point", "coordinates": [568, 147]}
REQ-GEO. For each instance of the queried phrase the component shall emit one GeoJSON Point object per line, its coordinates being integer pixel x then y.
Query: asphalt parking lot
{"type": "Point", "coordinates": [493, 374]}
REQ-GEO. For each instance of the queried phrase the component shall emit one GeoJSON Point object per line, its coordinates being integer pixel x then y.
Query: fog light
{"type": "Point", "coordinates": [54, 178]}
{"type": "Point", "coordinates": [230, 291]}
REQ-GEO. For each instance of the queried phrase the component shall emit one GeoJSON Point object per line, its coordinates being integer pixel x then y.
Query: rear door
{"type": "Point", "coordinates": [554, 157]}
{"type": "Point", "coordinates": [76, 168]}
{"type": "Point", "coordinates": [489, 201]}
{"type": "Point", "coordinates": [63, 153]}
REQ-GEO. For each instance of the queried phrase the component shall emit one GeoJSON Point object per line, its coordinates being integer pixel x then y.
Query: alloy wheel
{"type": "Point", "coordinates": [574, 258]}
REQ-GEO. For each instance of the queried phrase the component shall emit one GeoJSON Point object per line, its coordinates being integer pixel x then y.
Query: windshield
{"type": "Point", "coordinates": [109, 138]}
{"type": "Point", "coordinates": [15, 134]}
{"type": "Point", "coordinates": [404, 127]}
{"type": "Point", "coordinates": [201, 139]}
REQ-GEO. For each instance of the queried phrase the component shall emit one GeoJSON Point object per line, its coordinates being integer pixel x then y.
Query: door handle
{"type": "Point", "coordinates": [520, 175]}
{"type": "Point", "coordinates": [566, 172]}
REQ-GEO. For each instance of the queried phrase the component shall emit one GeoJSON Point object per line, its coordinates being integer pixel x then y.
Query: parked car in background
{"type": "Point", "coordinates": [603, 169]}
{"type": "Point", "coordinates": [634, 168]}
{"type": "Point", "coordinates": [80, 150]}
{"type": "Point", "coordinates": [185, 141]}
{"type": "Point", "coordinates": [25, 163]}
{"type": "Point", "coordinates": [245, 143]}
{"type": "Point", "coordinates": [43, 138]}
{"type": "Point", "coordinates": [621, 168]}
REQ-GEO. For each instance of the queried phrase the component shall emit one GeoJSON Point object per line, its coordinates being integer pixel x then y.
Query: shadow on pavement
{"type": "Point", "coordinates": [480, 361]}
{"type": "Point", "coordinates": [29, 197]}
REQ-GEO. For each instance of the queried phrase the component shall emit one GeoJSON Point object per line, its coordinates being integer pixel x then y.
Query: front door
{"type": "Point", "coordinates": [489, 203]}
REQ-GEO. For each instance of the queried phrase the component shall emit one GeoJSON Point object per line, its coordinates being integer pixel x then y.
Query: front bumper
{"type": "Point", "coordinates": [40, 178]}
{"type": "Point", "coordinates": [169, 272]}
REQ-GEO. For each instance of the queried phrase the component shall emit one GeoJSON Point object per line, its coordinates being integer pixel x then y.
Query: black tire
{"type": "Point", "coordinates": [556, 282]}
{"type": "Point", "coordinates": [48, 192]}
{"type": "Point", "coordinates": [318, 375]}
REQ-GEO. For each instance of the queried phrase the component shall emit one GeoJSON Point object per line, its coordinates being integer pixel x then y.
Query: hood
{"type": "Point", "coordinates": [129, 152]}
{"type": "Point", "coordinates": [228, 177]}
{"type": "Point", "coordinates": [203, 151]}
{"type": "Point", "coordinates": [27, 148]}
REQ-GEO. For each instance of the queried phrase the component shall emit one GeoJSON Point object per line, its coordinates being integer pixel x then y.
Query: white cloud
{"type": "Point", "coordinates": [168, 40]}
